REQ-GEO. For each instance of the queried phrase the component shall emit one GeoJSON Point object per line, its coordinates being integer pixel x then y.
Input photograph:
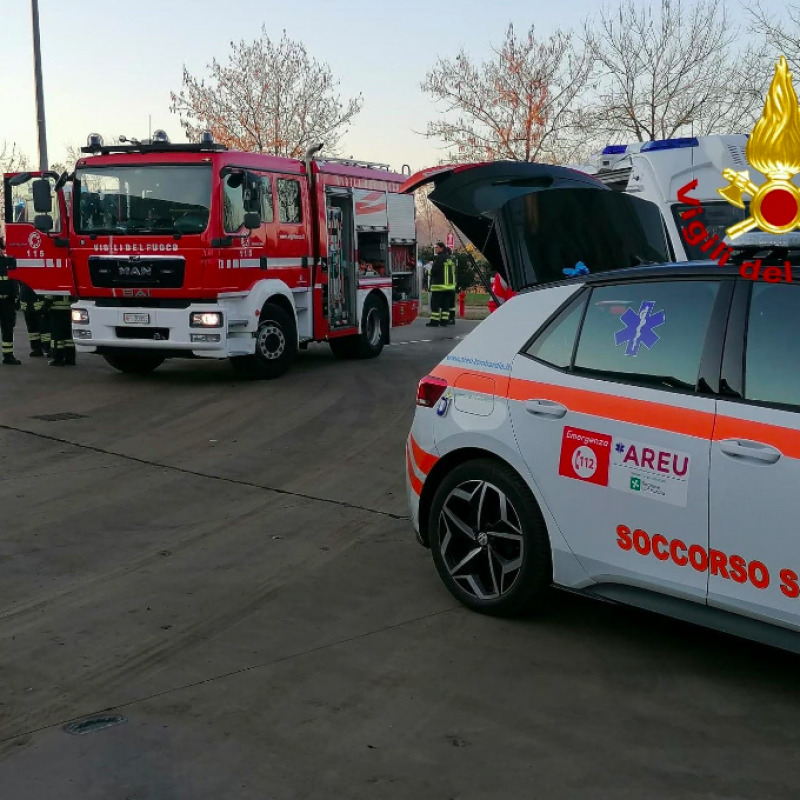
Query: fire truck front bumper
{"type": "Point", "coordinates": [199, 330]}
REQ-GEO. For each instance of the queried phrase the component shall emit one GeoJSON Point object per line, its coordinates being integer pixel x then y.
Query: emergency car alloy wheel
{"type": "Point", "coordinates": [488, 539]}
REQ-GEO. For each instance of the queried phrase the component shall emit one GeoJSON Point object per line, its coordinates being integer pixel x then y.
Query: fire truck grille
{"type": "Point", "coordinates": [158, 273]}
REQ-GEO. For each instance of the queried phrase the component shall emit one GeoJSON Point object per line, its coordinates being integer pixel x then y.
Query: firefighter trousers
{"type": "Point", "coordinates": [439, 312]}
{"type": "Point", "coordinates": [62, 344]}
{"type": "Point", "coordinates": [8, 318]}
{"type": "Point", "coordinates": [35, 320]}
{"type": "Point", "coordinates": [450, 316]}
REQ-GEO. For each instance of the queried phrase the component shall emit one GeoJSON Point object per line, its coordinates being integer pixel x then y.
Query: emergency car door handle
{"type": "Point", "coordinates": [741, 448]}
{"type": "Point", "coordinates": [545, 408]}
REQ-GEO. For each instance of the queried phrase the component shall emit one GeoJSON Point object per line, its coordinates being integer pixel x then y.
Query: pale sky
{"type": "Point", "coordinates": [109, 65]}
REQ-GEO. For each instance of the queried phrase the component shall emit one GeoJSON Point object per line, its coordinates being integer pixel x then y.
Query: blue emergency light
{"type": "Point", "coordinates": [614, 149]}
{"type": "Point", "coordinates": [670, 144]}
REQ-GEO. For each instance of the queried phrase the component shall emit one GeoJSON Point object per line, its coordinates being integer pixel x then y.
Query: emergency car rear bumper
{"type": "Point", "coordinates": [164, 329]}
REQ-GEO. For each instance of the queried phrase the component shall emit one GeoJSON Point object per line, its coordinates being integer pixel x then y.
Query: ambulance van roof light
{"type": "Point", "coordinates": [670, 144]}
{"type": "Point", "coordinates": [614, 149]}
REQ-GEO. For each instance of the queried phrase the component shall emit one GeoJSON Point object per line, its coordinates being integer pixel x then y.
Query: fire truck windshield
{"type": "Point", "coordinates": [134, 200]}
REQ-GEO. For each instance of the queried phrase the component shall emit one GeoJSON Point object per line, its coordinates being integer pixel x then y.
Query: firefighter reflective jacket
{"type": "Point", "coordinates": [441, 270]}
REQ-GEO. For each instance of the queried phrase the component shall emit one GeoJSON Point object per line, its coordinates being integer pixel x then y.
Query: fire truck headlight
{"type": "Point", "coordinates": [80, 316]}
{"type": "Point", "coordinates": [205, 319]}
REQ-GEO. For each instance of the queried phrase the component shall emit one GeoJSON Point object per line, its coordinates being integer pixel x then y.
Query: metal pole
{"type": "Point", "coordinates": [37, 65]}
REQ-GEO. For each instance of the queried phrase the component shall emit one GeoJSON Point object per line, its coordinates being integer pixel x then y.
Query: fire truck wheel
{"type": "Point", "coordinates": [134, 363]}
{"type": "Point", "coordinates": [374, 332]}
{"type": "Point", "coordinates": [489, 541]}
{"type": "Point", "coordinates": [276, 346]}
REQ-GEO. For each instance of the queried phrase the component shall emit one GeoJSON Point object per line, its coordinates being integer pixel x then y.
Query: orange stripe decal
{"type": "Point", "coordinates": [685, 421]}
{"type": "Point", "coordinates": [423, 460]}
{"type": "Point", "coordinates": [623, 409]}
{"type": "Point", "coordinates": [416, 483]}
{"type": "Point", "coordinates": [787, 440]}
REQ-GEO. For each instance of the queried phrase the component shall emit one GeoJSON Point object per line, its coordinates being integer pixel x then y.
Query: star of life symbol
{"type": "Point", "coordinates": [638, 328]}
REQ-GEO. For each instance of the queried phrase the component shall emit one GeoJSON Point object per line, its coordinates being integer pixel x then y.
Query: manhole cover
{"type": "Point", "coordinates": [93, 724]}
{"type": "Point", "coordinates": [59, 417]}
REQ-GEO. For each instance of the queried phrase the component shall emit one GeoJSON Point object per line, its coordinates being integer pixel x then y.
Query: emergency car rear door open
{"type": "Point", "coordinates": [615, 432]}
{"type": "Point", "coordinates": [755, 461]}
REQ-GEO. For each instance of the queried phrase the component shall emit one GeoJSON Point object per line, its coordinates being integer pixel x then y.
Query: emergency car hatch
{"type": "Point", "coordinates": [535, 222]}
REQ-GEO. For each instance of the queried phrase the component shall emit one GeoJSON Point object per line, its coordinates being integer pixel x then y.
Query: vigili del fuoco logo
{"type": "Point", "coordinates": [773, 148]}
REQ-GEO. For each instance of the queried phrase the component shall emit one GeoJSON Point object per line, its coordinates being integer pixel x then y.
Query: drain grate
{"type": "Point", "coordinates": [93, 724]}
{"type": "Point", "coordinates": [63, 417]}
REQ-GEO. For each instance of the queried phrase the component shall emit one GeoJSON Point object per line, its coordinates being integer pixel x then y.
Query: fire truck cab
{"type": "Point", "coordinates": [192, 250]}
{"type": "Point", "coordinates": [656, 170]}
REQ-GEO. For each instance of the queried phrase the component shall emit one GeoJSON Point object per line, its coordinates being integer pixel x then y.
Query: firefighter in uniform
{"type": "Point", "coordinates": [449, 318]}
{"type": "Point", "coordinates": [439, 288]}
{"type": "Point", "coordinates": [8, 310]}
{"type": "Point", "coordinates": [62, 346]}
{"type": "Point", "coordinates": [32, 308]}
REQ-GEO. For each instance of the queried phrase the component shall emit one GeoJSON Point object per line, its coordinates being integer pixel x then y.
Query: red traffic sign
{"type": "Point", "coordinates": [451, 241]}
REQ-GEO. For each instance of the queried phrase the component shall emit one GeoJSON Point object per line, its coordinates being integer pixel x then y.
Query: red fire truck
{"type": "Point", "coordinates": [192, 250]}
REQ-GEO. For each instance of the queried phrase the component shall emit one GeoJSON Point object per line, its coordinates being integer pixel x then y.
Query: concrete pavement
{"type": "Point", "coordinates": [228, 566]}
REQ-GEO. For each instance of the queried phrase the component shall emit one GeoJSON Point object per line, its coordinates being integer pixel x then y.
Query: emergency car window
{"type": "Point", "coordinates": [651, 333]}
{"type": "Point", "coordinates": [22, 204]}
{"type": "Point", "coordinates": [772, 357]}
{"type": "Point", "coordinates": [290, 208]}
{"type": "Point", "coordinates": [267, 209]}
{"type": "Point", "coordinates": [556, 343]}
{"type": "Point", "coordinates": [716, 217]}
{"type": "Point", "coordinates": [134, 200]}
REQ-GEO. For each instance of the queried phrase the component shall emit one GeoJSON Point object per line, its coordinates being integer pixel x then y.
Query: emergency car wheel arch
{"type": "Point", "coordinates": [275, 345]}
{"type": "Point", "coordinates": [489, 540]}
{"type": "Point", "coordinates": [134, 362]}
{"type": "Point", "coordinates": [374, 331]}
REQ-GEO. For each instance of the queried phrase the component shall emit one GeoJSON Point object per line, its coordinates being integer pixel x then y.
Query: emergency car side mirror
{"type": "Point", "coordinates": [42, 196]}
{"type": "Point", "coordinates": [43, 223]}
{"type": "Point", "coordinates": [252, 220]}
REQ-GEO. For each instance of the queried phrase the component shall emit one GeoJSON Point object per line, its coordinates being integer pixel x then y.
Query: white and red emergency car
{"type": "Point", "coordinates": [191, 250]}
{"type": "Point", "coordinates": [632, 434]}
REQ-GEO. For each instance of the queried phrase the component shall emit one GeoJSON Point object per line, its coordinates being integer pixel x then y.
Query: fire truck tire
{"type": "Point", "coordinates": [276, 346]}
{"type": "Point", "coordinates": [374, 332]}
{"type": "Point", "coordinates": [134, 363]}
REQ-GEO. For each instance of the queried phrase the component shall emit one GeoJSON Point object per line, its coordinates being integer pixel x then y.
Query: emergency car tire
{"type": "Point", "coordinates": [134, 363]}
{"type": "Point", "coordinates": [489, 541]}
{"type": "Point", "coordinates": [276, 346]}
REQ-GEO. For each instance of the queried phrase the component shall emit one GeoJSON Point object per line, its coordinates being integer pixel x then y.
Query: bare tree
{"type": "Point", "coordinates": [270, 97]}
{"type": "Point", "coordinates": [782, 34]}
{"type": "Point", "coordinates": [667, 68]}
{"type": "Point", "coordinates": [432, 223]}
{"type": "Point", "coordinates": [11, 160]}
{"type": "Point", "coordinates": [522, 105]}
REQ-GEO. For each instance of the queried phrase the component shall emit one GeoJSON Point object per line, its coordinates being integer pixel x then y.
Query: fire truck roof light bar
{"type": "Point", "coordinates": [349, 162]}
{"type": "Point", "coordinates": [670, 144]}
{"type": "Point", "coordinates": [155, 147]}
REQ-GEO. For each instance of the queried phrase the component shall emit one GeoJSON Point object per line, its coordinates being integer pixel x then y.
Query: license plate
{"type": "Point", "coordinates": [136, 319]}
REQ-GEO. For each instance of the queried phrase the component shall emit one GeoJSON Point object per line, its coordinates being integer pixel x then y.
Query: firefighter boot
{"type": "Point", "coordinates": [69, 356]}
{"type": "Point", "coordinates": [58, 356]}
{"type": "Point", "coordinates": [36, 350]}
{"type": "Point", "coordinates": [9, 360]}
